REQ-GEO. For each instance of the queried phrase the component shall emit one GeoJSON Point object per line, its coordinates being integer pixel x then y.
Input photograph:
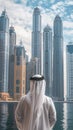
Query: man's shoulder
{"type": "Point", "coordinates": [47, 100]}
{"type": "Point", "coordinates": [25, 97]}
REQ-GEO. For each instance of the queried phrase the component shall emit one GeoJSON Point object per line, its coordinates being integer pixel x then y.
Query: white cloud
{"type": "Point", "coordinates": [48, 20]}
{"type": "Point", "coordinates": [57, 5]}
{"type": "Point", "coordinates": [68, 24]}
{"type": "Point", "coordinates": [20, 17]}
{"type": "Point", "coordinates": [52, 1]}
{"type": "Point", "coordinates": [69, 2]}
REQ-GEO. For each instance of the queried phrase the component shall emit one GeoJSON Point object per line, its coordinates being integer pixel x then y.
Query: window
{"type": "Point", "coordinates": [18, 60]}
{"type": "Point", "coordinates": [17, 89]}
{"type": "Point", "coordinates": [23, 89]}
{"type": "Point", "coordinates": [19, 51]}
{"type": "Point", "coordinates": [17, 81]}
{"type": "Point", "coordinates": [12, 58]}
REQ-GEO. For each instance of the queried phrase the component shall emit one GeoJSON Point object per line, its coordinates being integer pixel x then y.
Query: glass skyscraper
{"type": "Point", "coordinates": [69, 68]}
{"type": "Point", "coordinates": [58, 72]}
{"type": "Point", "coordinates": [47, 58]}
{"type": "Point", "coordinates": [36, 36]}
{"type": "Point", "coordinates": [12, 43]}
{"type": "Point", "coordinates": [4, 51]}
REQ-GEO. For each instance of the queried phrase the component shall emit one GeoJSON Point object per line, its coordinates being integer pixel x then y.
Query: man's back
{"type": "Point", "coordinates": [42, 119]}
{"type": "Point", "coordinates": [35, 111]}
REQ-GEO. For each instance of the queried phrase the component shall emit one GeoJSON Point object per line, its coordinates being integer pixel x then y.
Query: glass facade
{"type": "Point", "coordinates": [4, 51]}
{"type": "Point", "coordinates": [12, 43]}
{"type": "Point", "coordinates": [58, 65]}
{"type": "Point", "coordinates": [69, 64]}
{"type": "Point", "coordinates": [47, 58]}
{"type": "Point", "coordinates": [36, 36]}
{"type": "Point", "coordinates": [20, 51]}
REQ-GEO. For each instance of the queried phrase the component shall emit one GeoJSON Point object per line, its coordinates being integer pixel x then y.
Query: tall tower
{"type": "Point", "coordinates": [32, 68]}
{"type": "Point", "coordinates": [47, 58]}
{"type": "Point", "coordinates": [4, 52]}
{"type": "Point", "coordinates": [58, 72]}
{"type": "Point", "coordinates": [19, 72]}
{"type": "Point", "coordinates": [12, 43]}
{"type": "Point", "coordinates": [36, 36]}
{"type": "Point", "coordinates": [69, 65]}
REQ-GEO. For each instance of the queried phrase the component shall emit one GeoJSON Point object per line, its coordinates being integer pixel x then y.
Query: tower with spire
{"type": "Point", "coordinates": [4, 53]}
{"type": "Point", "coordinates": [36, 36]}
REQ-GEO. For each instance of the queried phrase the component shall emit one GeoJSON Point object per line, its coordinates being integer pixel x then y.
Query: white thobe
{"type": "Point", "coordinates": [28, 119]}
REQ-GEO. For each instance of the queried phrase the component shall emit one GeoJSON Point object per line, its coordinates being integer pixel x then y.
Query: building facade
{"type": "Point", "coordinates": [4, 53]}
{"type": "Point", "coordinates": [58, 72]}
{"type": "Point", "coordinates": [69, 68]}
{"type": "Point", "coordinates": [12, 43]}
{"type": "Point", "coordinates": [19, 72]}
{"type": "Point", "coordinates": [36, 36]}
{"type": "Point", "coordinates": [32, 68]}
{"type": "Point", "coordinates": [47, 59]}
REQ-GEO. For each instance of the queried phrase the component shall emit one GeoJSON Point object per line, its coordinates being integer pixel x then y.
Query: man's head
{"type": "Point", "coordinates": [37, 83]}
{"type": "Point", "coordinates": [37, 77]}
{"type": "Point", "coordinates": [37, 89]}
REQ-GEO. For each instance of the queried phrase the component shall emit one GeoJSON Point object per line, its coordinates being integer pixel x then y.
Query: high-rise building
{"type": "Point", "coordinates": [69, 68]}
{"type": "Point", "coordinates": [36, 36]}
{"type": "Point", "coordinates": [47, 59]}
{"type": "Point", "coordinates": [4, 53]}
{"type": "Point", "coordinates": [12, 43]}
{"type": "Point", "coordinates": [58, 71]}
{"type": "Point", "coordinates": [32, 68]}
{"type": "Point", "coordinates": [19, 72]}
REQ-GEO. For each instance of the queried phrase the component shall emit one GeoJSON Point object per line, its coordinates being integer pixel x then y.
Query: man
{"type": "Point", "coordinates": [35, 111]}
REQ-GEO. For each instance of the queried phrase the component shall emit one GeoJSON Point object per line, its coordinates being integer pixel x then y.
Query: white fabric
{"type": "Point", "coordinates": [35, 111]}
{"type": "Point", "coordinates": [37, 76]}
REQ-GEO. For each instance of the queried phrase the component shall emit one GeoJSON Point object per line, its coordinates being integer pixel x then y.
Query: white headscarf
{"type": "Point", "coordinates": [37, 92]}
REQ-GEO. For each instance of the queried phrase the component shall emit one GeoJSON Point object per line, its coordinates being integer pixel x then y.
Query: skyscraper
{"type": "Point", "coordinates": [58, 72]}
{"type": "Point", "coordinates": [69, 68]}
{"type": "Point", "coordinates": [47, 58]}
{"type": "Point", "coordinates": [12, 43]}
{"type": "Point", "coordinates": [36, 36]}
{"type": "Point", "coordinates": [32, 68]}
{"type": "Point", "coordinates": [4, 52]}
{"type": "Point", "coordinates": [19, 72]}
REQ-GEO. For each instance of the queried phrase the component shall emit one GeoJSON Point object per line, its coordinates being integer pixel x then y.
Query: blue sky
{"type": "Point", "coordinates": [20, 16]}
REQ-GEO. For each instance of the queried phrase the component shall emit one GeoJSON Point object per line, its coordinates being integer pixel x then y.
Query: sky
{"type": "Point", "coordinates": [20, 14]}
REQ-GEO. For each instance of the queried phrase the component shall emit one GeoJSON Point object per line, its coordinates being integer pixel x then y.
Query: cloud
{"type": "Point", "coordinates": [20, 16]}
{"type": "Point", "coordinates": [69, 2]}
{"type": "Point", "coordinates": [68, 24]}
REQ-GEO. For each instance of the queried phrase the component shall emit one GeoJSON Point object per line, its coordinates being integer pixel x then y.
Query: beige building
{"type": "Point", "coordinates": [19, 72]}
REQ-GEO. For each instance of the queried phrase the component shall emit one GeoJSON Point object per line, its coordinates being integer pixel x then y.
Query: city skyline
{"type": "Point", "coordinates": [58, 33]}
{"type": "Point", "coordinates": [20, 15]}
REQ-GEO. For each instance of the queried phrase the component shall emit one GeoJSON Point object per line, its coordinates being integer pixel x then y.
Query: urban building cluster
{"type": "Point", "coordinates": [47, 58]}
